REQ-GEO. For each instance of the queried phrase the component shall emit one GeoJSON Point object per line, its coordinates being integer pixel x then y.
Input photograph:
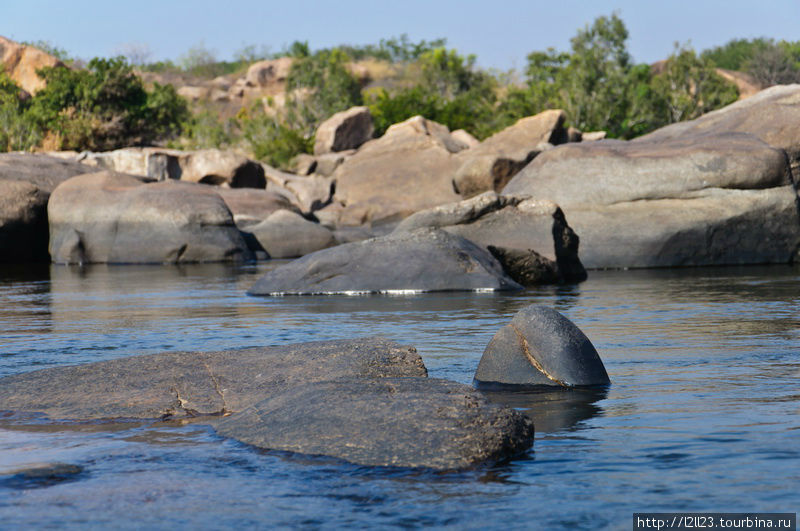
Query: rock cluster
{"type": "Point", "coordinates": [366, 401]}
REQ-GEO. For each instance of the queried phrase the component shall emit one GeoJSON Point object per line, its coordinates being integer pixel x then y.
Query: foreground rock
{"type": "Point", "coordinates": [401, 422]}
{"type": "Point", "coordinates": [408, 169]}
{"type": "Point", "coordinates": [286, 234]}
{"type": "Point", "coordinates": [190, 384]}
{"type": "Point", "coordinates": [492, 163]}
{"type": "Point", "coordinates": [308, 192]}
{"type": "Point", "coordinates": [26, 182]}
{"type": "Point", "coordinates": [540, 347]}
{"type": "Point", "coordinates": [773, 115]}
{"type": "Point", "coordinates": [418, 261]}
{"type": "Point", "coordinates": [695, 200]}
{"type": "Point", "coordinates": [251, 206]}
{"type": "Point", "coordinates": [115, 218]}
{"type": "Point", "coordinates": [530, 238]}
{"type": "Point", "coordinates": [344, 130]}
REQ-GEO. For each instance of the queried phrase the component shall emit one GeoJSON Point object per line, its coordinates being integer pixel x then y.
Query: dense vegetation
{"type": "Point", "coordinates": [105, 105]}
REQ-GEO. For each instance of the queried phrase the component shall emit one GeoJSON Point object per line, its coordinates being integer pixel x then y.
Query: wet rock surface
{"type": "Point", "coordinates": [193, 384]}
{"type": "Point", "coordinates": [286, 234]}
{"type": "Point", "coordinates": [540, 347]}
{"type": "Point", "coordinates": [421, 260]}
{"type": "Point", "coordinates": [400, 422]}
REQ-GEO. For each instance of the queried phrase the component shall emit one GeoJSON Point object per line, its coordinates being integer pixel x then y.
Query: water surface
{"type": "Point", "coordinates": [703, 413]}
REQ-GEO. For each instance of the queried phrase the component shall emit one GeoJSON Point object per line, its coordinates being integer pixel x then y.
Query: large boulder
{"type": "Point", "coordinates": [408, 169]}
{"type": "Point", "coordinates": [400, 422]}
{"type": "Point", "coordinates": [492, 163]}
{"type": "Point", "coordinates": [219, 167]}
{"type": "Point", "coordinates": [21, 63]}
{"type": "Point", "coordinates": [26, 182]}
{"type": "Point", "coordinates": [190, 384]}
{"type": "Point", "coordinates": [694, 200]}
{"type": "Point", "coordinates": [540, 347]}
{"type": "Point", "coordinates": [530, 237]}
{"type": "Point", "coordinates": [344, 130]}
{"type": "Point", "coordinates": [418, 261]}
{"type": "Point", "coordinates": [286, 234]}
{"type": "Point", "coordinates": [263, 74]}
{"type": "Point", "coordinates": [115, 218]}
{"type": "Point", "coordinates": [773, 115]}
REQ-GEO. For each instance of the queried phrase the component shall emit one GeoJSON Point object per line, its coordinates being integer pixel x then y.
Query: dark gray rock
{"type": "Point", "coordinates": [401, 422]}
{"type": "Point", "coordinates": [694, 200]}
{"type": "Point", "coordinates": [422, 260]}
{"type": "Point", "coordinates": [343, 131]}
{"type": "Point", "coordinates": [540, 347]}
{"type": "Point", "coordinates": [26, 182]}
{"type": "Point", "coordinates": [286, 234]}
{"type": "Point", "coordinates": [115, 218]}
{"type": "Point", "coordinates": [530, 237]}
{"type": "Point", "coordinates": [192, 384]}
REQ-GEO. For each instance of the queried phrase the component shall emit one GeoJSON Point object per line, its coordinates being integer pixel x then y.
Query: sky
{"type": "Point", "coordinates": [499, 32]}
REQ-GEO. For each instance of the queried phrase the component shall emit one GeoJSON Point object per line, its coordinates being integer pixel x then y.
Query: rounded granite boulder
{"type": "Point", "coordinates": [540, 347]}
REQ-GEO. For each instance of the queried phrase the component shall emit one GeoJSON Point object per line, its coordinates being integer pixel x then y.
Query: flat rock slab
{"type": "Point", "coordinates": [401, 422]}
{"type": "Point", "coordinates": [190, 384]}
{"type": "Point", "coordinates": [418, 261]}
{"type": "Point", "coordinates": [541, 347]}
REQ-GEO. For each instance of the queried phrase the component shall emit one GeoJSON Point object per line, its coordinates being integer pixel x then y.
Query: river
{"type": "Point", "coordinates": [703, 413]}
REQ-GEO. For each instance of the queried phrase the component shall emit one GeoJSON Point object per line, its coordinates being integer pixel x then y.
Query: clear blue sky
{"type": "Point", "coordinates": [499, 32]}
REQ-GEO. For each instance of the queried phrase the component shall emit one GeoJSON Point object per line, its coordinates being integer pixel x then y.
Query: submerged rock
{"type": "Point", "coordinates": [191, 384]}
{"type": "Point", "coordinates": [540, 347]}
{"type": "Point", "coordinates": [401, 422]}
{"type": "Point", "coordinates": [422, 260]}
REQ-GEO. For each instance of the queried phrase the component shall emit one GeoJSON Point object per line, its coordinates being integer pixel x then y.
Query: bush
{"type": "Point", "coordinates": [272, 140]}
{"type": "Point", "coordinates": [105, 107]}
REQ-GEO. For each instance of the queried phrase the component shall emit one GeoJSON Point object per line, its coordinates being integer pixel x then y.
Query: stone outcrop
{"type": "Point", "coordinates": [308, 192]}
{"type": "Point", "coordinates": [157, 163]}
{"type": "Point", "coordinates": [773, 115]}
{"type": "Point", "coordinates": [116, 218]}
{"type": "Point", "coordinates": [530, 238]}
{"type": "Point", "coordinates": [693, 199]}
{"type": "Point", "coordinates": [266, 73]}
{"type": "Point", "coordinates": [540, 347]}
{"type": "Point", "coordinates": [251, 206]}
{"type": "Point", "coordinates": [408, 169]}
{"type": "Point", "coordinates": [218, 167]}
{"type": "Point", "coordinates": [26, 182]}
{"type": "Point", "coordinates": [286, 234]}
{"type": "Point", "coordinates": [419, 261]}
{"type": "Point", "coordinates": [21, 63]}
{"type": "Point", "coordinates": [400, 422]}
{"type": "Point", "coordinates": [492, 163]}
{"type": "Point", "coordinates": [344, 130]}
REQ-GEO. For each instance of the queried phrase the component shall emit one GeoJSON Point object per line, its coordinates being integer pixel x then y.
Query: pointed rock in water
{"type": "Point", "coordinates": [190, 384]}
{"type": "Point", "coordinates": [402, 422]}
{"type": "Point", "coordinates": [540, 347]}
{"type": "Point", "coordinates": [419, 261]}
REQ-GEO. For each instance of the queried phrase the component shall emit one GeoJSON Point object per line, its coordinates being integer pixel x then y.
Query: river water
{"type": "Point", "coordinates": [703, 413]}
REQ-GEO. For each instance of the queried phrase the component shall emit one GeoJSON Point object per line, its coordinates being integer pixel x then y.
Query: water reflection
{"type": "Point", "coordinates": [552, 409]}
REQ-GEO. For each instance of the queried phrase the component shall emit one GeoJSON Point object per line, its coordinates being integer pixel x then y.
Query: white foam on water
{"type": "Point", "coordinates": [357, 293]}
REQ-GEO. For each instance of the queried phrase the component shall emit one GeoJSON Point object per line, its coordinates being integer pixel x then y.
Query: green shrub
{"type": "Point", "coordinates": [106, 107]}
{"type": "Point", "coordinates": [18, 131]}
{"type": "Point", "coordinates": [272, 140]}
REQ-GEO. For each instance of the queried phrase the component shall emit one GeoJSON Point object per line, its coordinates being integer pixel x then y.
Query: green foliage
{"type": "Point", "coordinates": [735, 54]}
{"type": "Point", "coordinates": [272, 140]}
{"type": "Point", "coordinates": [206, 130]}
{"type": "Point", "coordinates": [318, 86]}
{"type": "Point", "coordinates": [689, 86]}
{"type": "Point", "coordinates": [105, 107]}
{"type": "Point", "coordinates": [450, 91]}
{"type": "Point", "coordinates": [18, 132]}
{"type": "Point", "coordinates": [394, 50]}
{"type": "Point", "coordinates": [769, 62]}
